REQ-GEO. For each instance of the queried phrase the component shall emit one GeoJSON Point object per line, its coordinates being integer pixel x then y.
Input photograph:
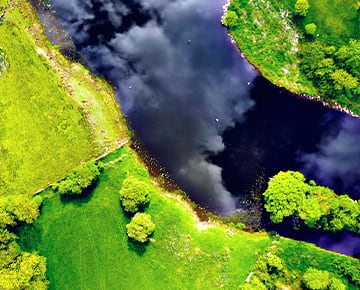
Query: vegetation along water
{"type": "Point", "coordinates": [78, 209]}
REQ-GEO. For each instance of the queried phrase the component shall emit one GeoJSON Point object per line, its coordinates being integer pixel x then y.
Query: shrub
{"type": "Point", "coordinates": [79, 179]}
{"type": "Point", "coordinates": [316, 279]}
{"type": "Point", "coordinates": [302, 7]}
{"type": "Point", "coordinates": [310, 28]}
{"type": "Point", "coordinates": [140, 227]}
{"type": "Point", "coordinates": [336, 284]}
{"type": "Point", "coordinates": [134, 194]}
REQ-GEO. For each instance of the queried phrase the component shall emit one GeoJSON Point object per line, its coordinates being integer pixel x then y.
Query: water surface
{"type": "Point", "coordinates": [200, 110]}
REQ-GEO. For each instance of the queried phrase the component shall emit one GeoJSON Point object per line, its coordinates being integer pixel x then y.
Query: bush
{"type": "Point", "coordinates": [135, 194]}
{"type": "Point", "coordinates": [336, 284]}
{"type": "Point", "coordinates": [316, 279]}
{"type": "Point", "coordinates": [302, 7]}
{"type": "Point", "coordinates": [310, 28]}
{"type": "Point", "coordinates": [79, 179]}
{"type": "Point", "coordinates": [140, 227]}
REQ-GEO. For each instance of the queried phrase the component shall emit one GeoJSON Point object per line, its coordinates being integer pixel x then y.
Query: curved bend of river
{"type": "Point", "coordinates": [200, 110]}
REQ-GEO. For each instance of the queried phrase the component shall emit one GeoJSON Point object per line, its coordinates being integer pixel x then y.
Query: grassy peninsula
{"type": "Point", "coordinates": [57, 115]}
{"type": "Point", "coordinates": [313, 51]}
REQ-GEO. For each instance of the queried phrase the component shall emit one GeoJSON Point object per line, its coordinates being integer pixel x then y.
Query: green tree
{"type": "Point", "coordinates": [140, 227]}
{"type": "Point", "coordinates": [231, 19]}
{"type": "Point", "coordinates": [348, 57]}
{"type": "Point", "coordinates": [316, 279]}
{"type": "Point", "coordinates": [80, 178]}
{"type": "Point", "coordinates": [23, 208]}
{"type": "Point", "coordinates": [310, 28]}
{"type": "Point", "coordinates": [284, 195]}
{"type": "Point", "coordinates": [302, 7]}
{"type": "Point", "coordinates": [336, 284]}
{"type": "Point", "coordinates": [135, 194]}
{"type": "Point", "coordinates": [343, 80]}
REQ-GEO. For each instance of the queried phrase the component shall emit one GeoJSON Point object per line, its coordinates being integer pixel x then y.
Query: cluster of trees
{"type": "Point", "coordinates": [135, 196]}
{"type": "Point", "coordinates": [80, 178]}
{"type": "Point", "coordinates": [334, 71]}
{"type": "Point", "coordinates": [315, 279]}
{"type": "Point", "coordinates": [18, 269]}
{"type": "Point", "coordinates": [271, 272]}
{"type": "Point", "coordinates": [289, 194]}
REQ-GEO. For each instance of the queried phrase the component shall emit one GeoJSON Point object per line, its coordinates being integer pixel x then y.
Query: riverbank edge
{"type": "Point", "coordinates": [113, 105]}
{"type": "Point", "coordinates": [268, 74]}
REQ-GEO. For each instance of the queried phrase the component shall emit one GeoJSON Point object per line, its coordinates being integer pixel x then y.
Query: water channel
{"type": "Point", "coordinates": [203, 111]}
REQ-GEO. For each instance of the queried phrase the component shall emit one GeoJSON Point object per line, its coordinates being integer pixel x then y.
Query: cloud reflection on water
{"type": "Point", "coordinates": [179, 79]}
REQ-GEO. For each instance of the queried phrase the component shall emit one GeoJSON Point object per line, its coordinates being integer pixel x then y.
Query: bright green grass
{"type": "Point", "coordinates": [86, 244]}
{"type": "Point", "coordinates": [45, 128]}
{"type": "Point", "coordinates": [270, 36]}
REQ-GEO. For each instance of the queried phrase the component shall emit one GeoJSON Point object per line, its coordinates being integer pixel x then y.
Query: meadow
{"type": "Point", "coordinates": [47, 126]}
{"type": "Point", "coordinates": [85, 242]}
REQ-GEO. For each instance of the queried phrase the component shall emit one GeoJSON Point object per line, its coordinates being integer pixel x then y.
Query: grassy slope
{"type": "Point", "coordinates": [89, 237]}
{"type": "Point", "coordinates": [43, 134]}
{"type": "Point", "coordinates": [266, 35]}
{"type": "Point", "coordinates": [86, 245]}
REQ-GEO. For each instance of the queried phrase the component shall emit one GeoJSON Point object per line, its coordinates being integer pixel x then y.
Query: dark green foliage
{"type": "Point", "coordinates": [288, 194]}
{"type": "Point", "coordinates": [140, 227]}
{"type": "Point", "coordinates": [80, 178]}
{"type": "Point", "coordinates": [316, 279]}
{"type": "Point", "coordinates": [302, 7]}
{"type": "Point", "coordinates": [135, 193]}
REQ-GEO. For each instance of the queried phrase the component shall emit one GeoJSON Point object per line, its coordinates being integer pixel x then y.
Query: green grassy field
{"type": "Point", "coordinates": [47, 126]}
{"type": "Point", "coordinates": [85, 242]}
{"type": "Point", "coordinates": [270, 35]}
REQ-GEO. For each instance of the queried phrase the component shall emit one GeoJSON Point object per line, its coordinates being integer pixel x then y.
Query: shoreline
{"type": "Point", "coordinates": [310, 97]}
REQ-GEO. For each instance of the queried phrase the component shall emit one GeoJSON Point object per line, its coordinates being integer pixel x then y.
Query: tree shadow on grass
{"type": "Point", "coordinates": [80, 199]}
{"type": "Point", "coordinates": [138, 248]}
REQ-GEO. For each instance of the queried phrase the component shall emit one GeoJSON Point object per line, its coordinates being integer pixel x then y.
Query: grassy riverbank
{"type": "Point", "coordinates": [274, 39]}
{"type": "Point", "coordinates": [54, 114]}
{"type": "Point", "coordinates": [59, 115]}
{"type": "Point", "coordinates": [85, 242]}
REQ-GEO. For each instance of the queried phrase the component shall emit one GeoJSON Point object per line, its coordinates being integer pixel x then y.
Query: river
{"type": "Point", "coordinates": [203, 111]}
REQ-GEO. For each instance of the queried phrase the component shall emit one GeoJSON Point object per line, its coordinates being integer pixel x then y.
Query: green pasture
{"type": "Point", "coordinates": [85, 242]}
{"type": "Point", "coordinates": [47, 127]}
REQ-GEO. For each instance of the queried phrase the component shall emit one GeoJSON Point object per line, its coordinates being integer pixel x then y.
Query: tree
{"type": "Point", "coordinates": [336, 284]}
{"type": "Point", "coordinates": [79, 178]}
{"type": "Point", "coordinates": [231, 19]}
{"type": "Point", "coordinates": [140, 227]}
{"type": "Point", "coordinates": [310, 28]}
{"type": "Point", "coordinates": [316, 279]}
{"type": "Point", "coordinates": [349, 57]}
{"type": "Point", "coordinates": [343, 80]}
{"type": "Point", "coordinates": [17, 208]}
{"type": "Point", "coordinates": [135, 194]}
{"type": "Point", "coordinates": [302, 7]}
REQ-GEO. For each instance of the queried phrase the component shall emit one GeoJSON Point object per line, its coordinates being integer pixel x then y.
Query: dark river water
{"type": "Point", "coordinates": [219, 128]}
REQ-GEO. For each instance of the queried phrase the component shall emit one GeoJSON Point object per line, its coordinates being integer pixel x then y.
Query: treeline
{"type": "Point", "coordinates": [289, 194]}
{"type": "Point", "coordinates": [18, 269]}
{"type": "Point", "coordinates": [335, 71]}
{"type": "Point", "coordinates": [273, 272]}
